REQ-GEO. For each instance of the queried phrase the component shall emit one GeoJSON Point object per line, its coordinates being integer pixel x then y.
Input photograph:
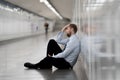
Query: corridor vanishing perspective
{"type": "Point", "coordinates": [26, 26]}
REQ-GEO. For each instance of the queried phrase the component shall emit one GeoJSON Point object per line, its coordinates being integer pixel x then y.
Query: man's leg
{"type": "Point", "coordinates": [60, 63]}
{"type": "Point", "coordinates": [43, 64]}
{"type": "Point", "coordinates": [48, 62]}
{"type": "Point", "coordinates": [53, 48]}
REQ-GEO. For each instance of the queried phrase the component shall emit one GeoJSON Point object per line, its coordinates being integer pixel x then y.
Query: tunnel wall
{"type": "Point", "coordinates": [100, 48]}
{"type": "Point", "coordinates": [14, 25]}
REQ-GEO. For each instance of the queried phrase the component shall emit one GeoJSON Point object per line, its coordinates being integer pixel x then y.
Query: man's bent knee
{"type": "Point", "coordinates": [52, 41]}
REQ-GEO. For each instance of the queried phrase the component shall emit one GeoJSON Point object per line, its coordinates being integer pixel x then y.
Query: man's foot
{"type": "Point", "coordinates": [30, 65]}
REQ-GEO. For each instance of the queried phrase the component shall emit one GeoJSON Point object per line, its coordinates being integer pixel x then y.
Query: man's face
{"type": "Point", "coordinates": [68, 31]}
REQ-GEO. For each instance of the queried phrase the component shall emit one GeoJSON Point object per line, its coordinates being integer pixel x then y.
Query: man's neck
{"type": "Point", "coordinates": [72, 34]}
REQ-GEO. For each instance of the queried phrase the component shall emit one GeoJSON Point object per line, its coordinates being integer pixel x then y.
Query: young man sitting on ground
{"type": "Point", "coordinates": [61, 59]}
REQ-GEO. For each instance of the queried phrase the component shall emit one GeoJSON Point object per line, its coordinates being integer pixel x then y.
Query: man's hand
{"type": "Point", "coordinates": [64, 28]}
{"type": "Point", "coordinates": [49, 55]}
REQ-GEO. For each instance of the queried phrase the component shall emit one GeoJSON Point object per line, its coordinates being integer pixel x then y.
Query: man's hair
{"type": "Point", "coordinates": [74, 27]}
{"type": "Point", "coordinates": [46, 24]}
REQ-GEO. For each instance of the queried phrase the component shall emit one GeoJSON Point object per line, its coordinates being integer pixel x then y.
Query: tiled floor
{"type": "Point", "coordinates": [14, 53]}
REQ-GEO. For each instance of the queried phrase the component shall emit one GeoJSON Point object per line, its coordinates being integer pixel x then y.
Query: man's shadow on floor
{"type": "Point", "coordinates": [58, 74]}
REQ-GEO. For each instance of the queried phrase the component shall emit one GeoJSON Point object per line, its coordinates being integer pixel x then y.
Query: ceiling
{"type": "Point", "coordinates": [64, 7]}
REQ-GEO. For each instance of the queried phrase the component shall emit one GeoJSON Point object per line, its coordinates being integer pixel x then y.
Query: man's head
{"type": "Point", "coordinates": [46, 24]}
{"type": "Point", "coordinates": [70, 29]}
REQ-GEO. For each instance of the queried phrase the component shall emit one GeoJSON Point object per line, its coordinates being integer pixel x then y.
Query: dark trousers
{"type": "Point", "coordinates": [48, 62]}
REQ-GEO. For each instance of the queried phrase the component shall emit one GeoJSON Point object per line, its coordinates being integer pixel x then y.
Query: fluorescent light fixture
{"type": "Point", "coordinates": [42, 1]}
{"type": "Point", "coordinates": [46, 2]}
{"type": "Point", "coordinates": [6, 8]}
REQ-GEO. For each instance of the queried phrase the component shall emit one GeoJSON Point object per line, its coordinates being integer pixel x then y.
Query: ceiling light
{"type": "Point", "coordinates": [42, 0]}
{"type": "Point", "coordinates": [46, 2]}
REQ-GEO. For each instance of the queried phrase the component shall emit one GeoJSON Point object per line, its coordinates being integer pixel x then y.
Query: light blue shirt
{"type": "Point", "coordinates": [72, 48]}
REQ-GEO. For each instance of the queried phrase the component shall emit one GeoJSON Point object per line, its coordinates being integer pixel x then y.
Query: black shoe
{"type": "Point", "coordinates": [30, 65]}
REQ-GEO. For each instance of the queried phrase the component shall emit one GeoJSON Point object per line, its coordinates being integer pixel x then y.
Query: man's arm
{"type": "Point", "coordinates": [60, 39]}
{"type": "Point", "coordinates": [70, 47]}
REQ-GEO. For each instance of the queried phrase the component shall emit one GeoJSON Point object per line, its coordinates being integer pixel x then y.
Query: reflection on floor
{"type": "Point", "coordinates": [14, 53]}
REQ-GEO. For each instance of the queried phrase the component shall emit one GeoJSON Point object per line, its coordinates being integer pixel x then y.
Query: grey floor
{"type": "Point", "coordinates": [14, 53]}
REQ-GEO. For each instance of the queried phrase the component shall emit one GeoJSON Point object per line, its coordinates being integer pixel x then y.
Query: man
{"type": "Point", "coordinates": [62, 59]}
{"type": "Point", "coordinates": [46, 25]}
